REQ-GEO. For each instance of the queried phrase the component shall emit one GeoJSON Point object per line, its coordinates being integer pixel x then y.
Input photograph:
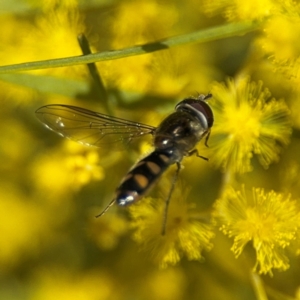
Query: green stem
{"type": "Point", "coordinates": [201, 36]}
{"type": "Point", "coordinates": [258, 286]}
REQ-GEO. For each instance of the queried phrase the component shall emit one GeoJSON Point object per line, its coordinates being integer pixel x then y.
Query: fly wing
{"type": "Point", "coordinates": [88, 127]}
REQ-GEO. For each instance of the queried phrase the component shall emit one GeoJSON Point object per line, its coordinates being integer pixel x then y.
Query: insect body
{"type": "Point", "coordinates": [174, 138]}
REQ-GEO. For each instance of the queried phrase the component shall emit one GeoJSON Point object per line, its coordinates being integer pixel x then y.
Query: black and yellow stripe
{"type": "Point", "coordinates": [141, 177]}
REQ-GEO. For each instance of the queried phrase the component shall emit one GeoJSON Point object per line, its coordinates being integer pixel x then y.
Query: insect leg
{"type": "Point", "coordinates": [206, 138]}
{"type": "Point", "coordinates": [106, 208]}
{"type": "Point", "coordinates": [163, 231]}
{"type": "Point", "coordinates": [195, 151]}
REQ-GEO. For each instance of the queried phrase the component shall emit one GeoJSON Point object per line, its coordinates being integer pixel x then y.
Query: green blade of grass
{"type": "Point", "coordinates": [201, 36]}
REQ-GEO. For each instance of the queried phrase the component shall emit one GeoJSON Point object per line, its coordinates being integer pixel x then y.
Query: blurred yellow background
{"type": "Point", "coordinates": [52, 247]}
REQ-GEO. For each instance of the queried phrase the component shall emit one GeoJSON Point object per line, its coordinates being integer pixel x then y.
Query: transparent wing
{"type": "Point", "coordinates": [89, 127]}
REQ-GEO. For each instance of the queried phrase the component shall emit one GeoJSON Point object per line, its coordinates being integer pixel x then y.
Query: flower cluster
{"type": "Point", "coordinates": [247, 121]}
{"type": "Point", "coordinates": [183, 234]}
{"type": "Point", "coordinates": [267, 219]}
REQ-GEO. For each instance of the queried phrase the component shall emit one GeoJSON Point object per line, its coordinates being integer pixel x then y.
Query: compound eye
{"type": "Point", "coordinates": [199, 106]}
{"type": "Point", "coordinates": [205, 109]}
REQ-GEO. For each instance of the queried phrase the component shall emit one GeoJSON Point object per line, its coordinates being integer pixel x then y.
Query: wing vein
{"type": "Point", "coordinates": [89, 127]}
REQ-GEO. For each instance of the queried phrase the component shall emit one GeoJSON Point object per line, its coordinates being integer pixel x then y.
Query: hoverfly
{"type": "Point", "coordinates": [175, 137]}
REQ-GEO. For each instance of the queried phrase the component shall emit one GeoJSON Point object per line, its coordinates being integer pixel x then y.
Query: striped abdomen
{"type": "Point", "coordinates": [141, 177]}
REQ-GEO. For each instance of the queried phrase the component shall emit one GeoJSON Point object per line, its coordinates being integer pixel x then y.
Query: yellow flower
{"type": "Point", "coordinates": [185, 234]}
{"type": "Point", "coordinates": [270, 220]}
{"type": "Point", "coordinates": [280, 42]}
{"type": "Point", "coordinates": [84, 168]}
{"type": "Point", "coordinates": [67, 169]}
{"type": "Point", "coordinates": [236, 10]}
{"type": "Point", "coordinates": [247, 121]}
{"type": "Point", "coordinates": [155, 73]}
{"type": "Point", "coordinates": [52, 34]}
{"type": "Point", "coordinates": [280, 32]}
{"type": "Point", "coordinates": [41, 36]}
